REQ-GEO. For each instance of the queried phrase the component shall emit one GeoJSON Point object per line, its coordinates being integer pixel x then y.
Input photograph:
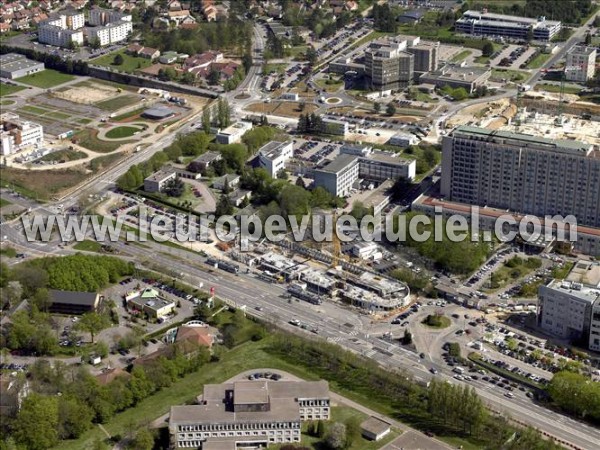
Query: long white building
{"type": "Point", "coordinates": [249, 414]}
{"type": "Point", "coordinates": [110, 34]}
{"type": "Point", "coordinates": [62, 30]}
{"type": "Point", "coordinates": [491, 24]}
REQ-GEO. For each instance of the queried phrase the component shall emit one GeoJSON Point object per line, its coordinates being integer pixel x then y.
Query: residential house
{"type": "Point", "coordinates": [239, 196]}
{"type": "Point", "coordinates": [231, 180]}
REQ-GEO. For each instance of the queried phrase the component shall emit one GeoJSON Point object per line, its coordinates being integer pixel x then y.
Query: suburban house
{"type": "Point", "coordinates": [231, 180]}
{"type": "Point", "coordinates": [70, 302]}
{"type": "Point", "coordinates": [110, 375]}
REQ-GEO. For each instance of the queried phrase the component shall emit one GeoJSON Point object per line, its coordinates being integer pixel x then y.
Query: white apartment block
{"type": "Point", "coordinates": [339, 175]}
{"type": "Point", "coordinates": [16, 134]}
{"type": "Point", "coordinates": [101, 16]}
{"type": "Point", "coordinates": [249, 414]}
{"type": "Point", "coordinates": [273, 156]}
{"type": "Point", "coordinates": [581, 63]}
{"type": "Point", "coordinates": [111, 33]}
{"type": "Point", "coordinates": [62, 30]}
{"type": "Point", "coordinates": [522, 174]}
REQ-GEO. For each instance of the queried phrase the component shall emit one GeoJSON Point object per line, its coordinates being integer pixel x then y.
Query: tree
{"type": "Point", "coordinates": [407, 338]}
{"type": "Point", "coordinates": [74, 418]}
{"type": "Point", "coordinates": [377, 107]}
{"type": "Point", "coordinates": [311, 56]}
{"type": "Point", "coordinates": [36, 426]}
{"type": "Point", "coordinates": [206, 120]}
{"type": "Point", "coordinates": [352, 431]}
{"type": "Point", "coordinates": [93, 323]}
{"type": "Point", "coordinates": [390, 109]}
{"type": "Point", "coordinates": [282, 174]}
{"type": "Point", "coordinates": [300, 182]}
{"type": "Point", "coordinates": [118, 60]}
{"type": "Point", "coordinates": [224, 206]}
{"type": "Point", "coordinates": [359, 210]}
{"type": "Point", "coordinates": [588, 39]}
{"type": "Point", "coordinates": [41, 299]}
{"type": "Point", "coordinates": [335, 437]}
{"type": "Point", "coordinates": [320, 431]}
{"type": "Point", "coordinates": [487, 49]}
{"type": "Point", "coordinates": [144, 440]}
{"type": "Point", "coordinates": [174, 187]}
{"type": "Point", "coordinates": [94, 43]}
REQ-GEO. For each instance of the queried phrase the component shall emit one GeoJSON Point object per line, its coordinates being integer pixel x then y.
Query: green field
{"type": "Point", "coordinates": [34, 110]}
{"type": "Point", "coordinates": [538, 61]}
{"type": "Point", "coordinates": [46, 79]}
{"type": "Point", "coordinates": [6, 89]}
{"type": "Point", "coordinates": [130, 63]}
{"type": "Point", "coordinates": [88, 138]}
{"type": "Point", "coordinates": [117, 103]}
{"type": "Point", "coordinates": [122, 132]}
{"type": "Point", "coordinates": [88, 246]}
{"type": "Point", "coordinates": [64, 155]}
{"type": "Point", "coordinates": [279, 68]}
{"type": "Point", "coordinates": [128, 115]}
{"type": "Point", "coordinates": [515, 76]}
{"type": "Point", "coordinates": [556, 88]}
{"type": "Point", "coordinates": [4, 202]}
{"type": "Point", "coordinates": [461, 56]}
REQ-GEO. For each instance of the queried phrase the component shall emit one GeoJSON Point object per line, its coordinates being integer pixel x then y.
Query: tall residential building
{"type": "Point", "coordinates": [570, 308]}
{"type": "Point", "coordinates": [17, 134]}
{"type": "Point", "coordinates": [426, 57]}
{"type": "Point", "coordinates": [62, 30]}
{"type": "Point", "coordinates": [514, 27]}
{"type": "Point", "coordinates": [522, 173]}
{"type": "Point", "coordinates": [111, 33]}
{"type": "Point", "coordinates": [249, 414]}
{"type": "Point", "coordinates": [338, 176]}
{"type": "Point", "coordinates": [388, 66]}
{"type": "Point", "coordinates": [101, 16]}
{"type": "Point", "coordinates": [581, 63]}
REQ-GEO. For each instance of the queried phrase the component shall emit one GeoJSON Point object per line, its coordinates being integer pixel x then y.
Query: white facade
{"type": "Point", "coordinates": [403, 140]}
{"type": "Point", "coordinates": [17, 134]}
{"type": "Point", "coordinates": [110, 34]}
{"type": "Point", "coordinates": [62, 30]}
{"type": "Point", "coordinates": [581, 64]}
{"type": "Point", "coordinates": [273, 156]}
{"type": "Point", "coordinates": [233, 133]}
{"type": "Point", "coordinates": [100, 16]}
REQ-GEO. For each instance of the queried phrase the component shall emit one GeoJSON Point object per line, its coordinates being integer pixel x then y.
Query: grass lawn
{"type": "Point", "coordinates": [279, 68]}
{"type": "Point", "coordinates": [34, 110]}
{"type": "Point", "coordinates": [88, 246]}
{"type": "Point", "coordinates": [122, 132]}
{"type": "Point", "coordinates": [84, 121]}
{"type": "Point", "coordinates": [64, 155]}
{"type": "Point", "coordinates": [4, 202]}
{"type": "Point", "coordinates": [44, 184]}
{"type": "Point", "coordinates": [46, 79]}
{"type": "Point", "coordinates": [330, 85]}
{"type": "Point", "coordinates": [7, 89]}
{"type": "Point", "coordinates": [508, 75]}
{"type": "Point", "coordinates": [421, 96]}
{"type": "Point", "coordinates": [88, 138]}
{"type": "Point", "coordinates": [436, 321]}
{"type": "Point", "coordinates": [460, 56]}
{"type": "Point", "coordinates": [7, 102]}
{"type": "Point", "coordinates": [511, 271]}
{"type": "Point", "coordinates": [117, 103]}
{"type": "Point", "coordinates": [538, 61]}
{"type": "Point", "coordinates": [130, 63]}
{"type": "Point", "coordinates": [8, 251]}
{"type": "Point", "coordinates": [556, 88]}
{"type": "Point", "coordinates": [129, 115]}
{"type": "Point", "coordinates": [59, 115]}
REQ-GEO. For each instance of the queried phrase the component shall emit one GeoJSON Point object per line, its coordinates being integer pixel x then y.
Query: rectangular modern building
{"type": "Point", "coordinates": [233, 133]}
{"type": "Point", "coordinates": [426, 57]}
{"type": "Point", "coordinates": [17, 134]}
{"type": "Point", "coordinates": [101, 16]}
{"type": "Point", "coordinates": [514, 27]}
{"type": "Point", "coordinates": [388, 66]}
{"type": "Point", "coordinates": [157, 181]}
{"type": "Point", "coordinates": [273, 155]}
{"type": "Point", "coordinates": [249, 414]}
{"type": "Point", "coordinates": [581, 63]}
{"type": "Point", "coordinates": [336, 127]}
{"type": "Point", "coordinates": [455, 76]}
{"type": "Point", "coordinates": [70, 302]}
{"type": "Point", "coordinates": [339, 175]}
{"type": "Point", "coordinates": [522, 173]}
{"type": "Point", "coordinates": [111, 33]}
{"type": "Point", "coordinates": [63, 29]}
{"type": "Point", "coordinates": [14, 65]}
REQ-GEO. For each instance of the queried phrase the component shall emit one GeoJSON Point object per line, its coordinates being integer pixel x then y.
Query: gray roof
{"type": "Point", "coordinates": [208, 157]}
{"type": "Point", "coordinates": [160, 175]}
{"type": "Point", "coordinates": [13, 62]}
{"type": "Point", "coordinates": [272, 149]}
{"type": "Point", "coordinates": [374, 425]}
{"type": "Point", "coordinates": [73, 297]}
{"type": "Point", "coordinates": [158, 111]}
{"type": "Point", "coordinates": [340, 163]}
{"type": "Point", "coordinates": [573, 147]}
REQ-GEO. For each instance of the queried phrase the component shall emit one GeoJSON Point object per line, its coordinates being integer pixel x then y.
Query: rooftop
{"type": "Point", "coordinates": [272, 149]}
{"type": "Point", "coordinates": [160, 175]}
{"type": "Point", "coordinates": [390, 158]}
{"type": "Point", "coordinates": [559, 145]}
{"type": "Point", "coordinates": [208, 157]}
{"type": "Point", "coordinates": [73, 298]}
{"type": "Point", "coordinates": [582, 50]}
{"type": "Point", "coordinates": [454, 72]}
{"type": "Point", "coordinates": [340, 163]}
{"type": "Point", "coordinates": [578, 290]}
{"type": "Point", "coordinates": [506, 18]}
{"type": "Point", "coordinates": [585, 272]}
{"type": "Point", "coordinates": [375, 425]}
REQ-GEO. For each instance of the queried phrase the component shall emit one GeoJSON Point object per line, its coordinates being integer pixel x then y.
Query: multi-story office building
{"type": "Point", "coordinates": [101, 16]}
{"type": "Point", "coordinates": [62, 30]}
{"type": "Point", "coordinates": [522, 173]}
{"type": "Point", "coordinates": [111, 33]}
{"type": "Point", "coordinates": [570, 308]}
{"type": "Point", "coordinates": [339, 175]}
{"type": "Point", "coordinates": [581, 63]}
{"type": "Point", "coordinates": [426, 57]}
{"type": "Point", "coordinates": [249, 414]}
{"type": "Point", "coordinates": [273, 156]}
{"type": "Point", "coordinates": [514, 27]}
{"type": "Point", "coordinates": [17, 134]}
{"type": "Point", "coordinates": [387, 66]}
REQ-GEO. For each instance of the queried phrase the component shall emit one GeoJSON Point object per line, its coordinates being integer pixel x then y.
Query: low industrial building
{"type": "Point", "coordinates": [150, 303]}
{"type": "Point", "coordinates": [233, 133]}
{"type": "Point", "coordinates": [72, 302]}
{"type": "Point", "coordinates": [249, 414]}
{"type": "Point", "coordinates": [273, 155]}
{"type": "Point", "coordinates": [207, 159]}
{"type": "Point", "coordinates": [456, 76]}
{"type": "Point", "coordinates": [158, 112]}
{"type": "Point", "coordinates": [14, 65]}
{"type": "Point", "coordinates": [230, 180]}
{"type": "Point", "coordinates": [356, 149]}
{"type": "Point", "coordinates": [157, 181]}
{"type": "Point", "coordinates": [17, 134]}
{"type": "Point", "coordinates": [374, 429]}
{"type": "Point", "coordinates": [514, 27]}
{"type": "Point", "coordinates": [403, 140]}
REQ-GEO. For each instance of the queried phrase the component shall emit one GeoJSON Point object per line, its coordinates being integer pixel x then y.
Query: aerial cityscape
{"type": "Point", "coordinates": [300, 224]}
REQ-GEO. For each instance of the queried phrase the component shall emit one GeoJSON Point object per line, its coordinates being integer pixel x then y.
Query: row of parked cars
{"type": "Point", "coordinates": [265, 376]}
{"type": "Point", "coordinates": [401, 319]}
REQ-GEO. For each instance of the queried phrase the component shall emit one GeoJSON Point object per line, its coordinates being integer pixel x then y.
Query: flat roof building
{"type": "Point", "coordinates": [522, 173]}
{"type": "Point", "coordinates": [72, 302]}
{"type": "Point", "coordinates": [158, 112]}
{"type": "Point", "coordinates": [233, 133]}
{"type": "Point", "coordinates": [374, 428]}
{"type": "Point", "coordinates": [455, 76]}
{"type": "Point", "coordinates": [257, 413]}
{"type": "Point", "coordinates": [157, 181]}
{"type": "Point", "coordinates": [14, 65]}
{"type": "Point", "coordinates": [336, 127]}
{"type": "Point", "coordinates": [339, 175]}
{"type": "Point", "coordinates": [491, 24]}
{"type": "Point", "coordinates": [388, 66]}
{"type": "Point", "coordinates": [581, 63]}
{"type": "Point", "coordinates": [273, 155]}
{"type": "Point", "coordinates": [403, 140]}
{"type": "Point", "coordinates": [17, 134]}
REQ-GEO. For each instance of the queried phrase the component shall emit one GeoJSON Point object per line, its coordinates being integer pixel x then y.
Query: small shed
{"type": "Point", "coordinates": [374, 429]}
